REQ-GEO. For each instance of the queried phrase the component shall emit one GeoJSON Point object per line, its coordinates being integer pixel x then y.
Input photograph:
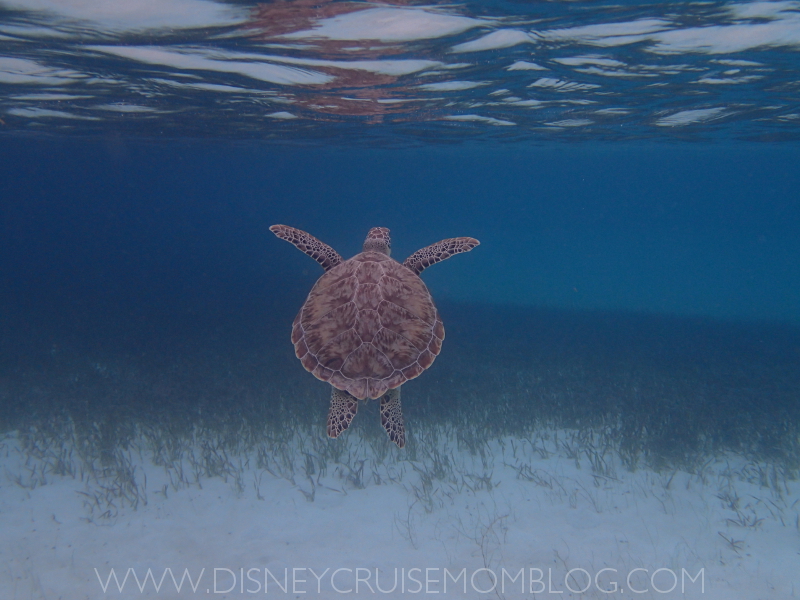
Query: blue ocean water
{"type": "Point", "coordinates": [630, 169]}
{"type": "Point", "coordinates": [612, 156]}
{"type": "Point", "coordinates": [630, 164]}
{"type": "Point", "coordinates": [694, 230]}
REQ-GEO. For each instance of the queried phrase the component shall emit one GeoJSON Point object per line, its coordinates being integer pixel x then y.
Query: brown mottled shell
{"type": "Point", "coordinates": [368, 326]}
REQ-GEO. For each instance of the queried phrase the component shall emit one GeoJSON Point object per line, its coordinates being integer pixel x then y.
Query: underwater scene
{"type": "Point", "coordinates": [596, 394]}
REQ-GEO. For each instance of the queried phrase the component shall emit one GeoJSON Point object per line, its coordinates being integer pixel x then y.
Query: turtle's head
{"type": "Point", "coordinates": [378, 240]}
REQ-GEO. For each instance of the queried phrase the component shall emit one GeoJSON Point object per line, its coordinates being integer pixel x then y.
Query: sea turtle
{"type": "Point", "coordinates": [369, 324]}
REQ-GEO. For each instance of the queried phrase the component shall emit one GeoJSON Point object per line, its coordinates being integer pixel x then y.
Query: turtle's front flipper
{"type": "Point", "coordinates": [305, 242]}
{"type": "Point", "coordinates": [343, 409]}
{"type": "Point", "coordinates": [392, 417]}
{"type": "Point", "coordinates": [430, 255]}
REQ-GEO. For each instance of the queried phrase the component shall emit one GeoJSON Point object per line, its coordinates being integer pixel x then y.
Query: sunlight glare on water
{"type": "Point", "coordinates": [411, 70]}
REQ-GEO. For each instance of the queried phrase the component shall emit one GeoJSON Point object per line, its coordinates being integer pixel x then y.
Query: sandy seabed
{"type": "Point", "coordinates": [538, 517]}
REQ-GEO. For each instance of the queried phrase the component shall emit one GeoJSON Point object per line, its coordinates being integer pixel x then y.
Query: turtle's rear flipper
{"type": "Point", "coordinates": [343, 409]}
{"type": "Point", "coordinates": [392, 417]}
